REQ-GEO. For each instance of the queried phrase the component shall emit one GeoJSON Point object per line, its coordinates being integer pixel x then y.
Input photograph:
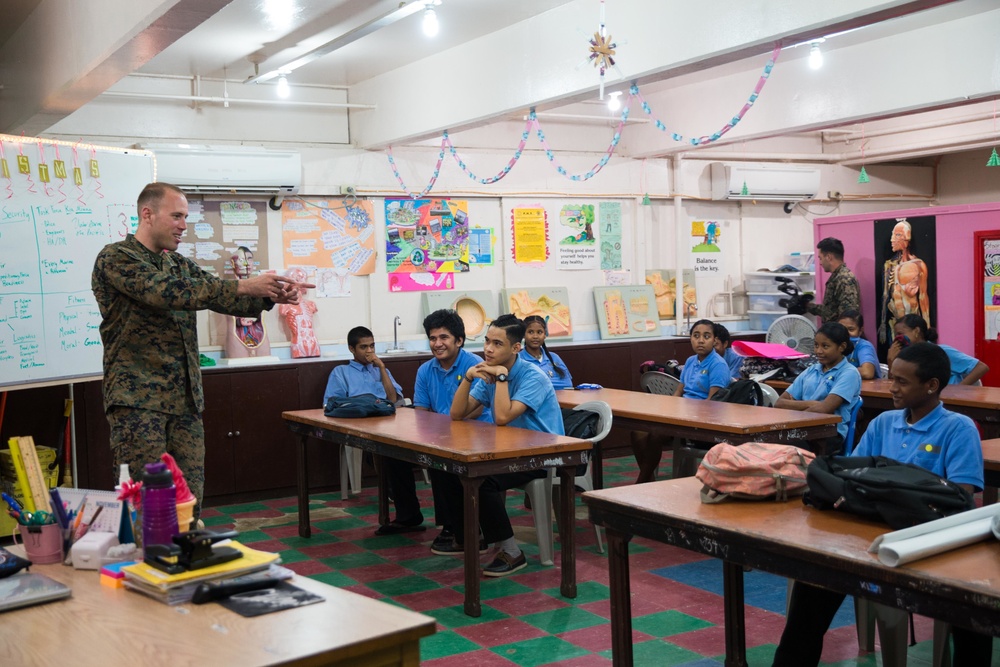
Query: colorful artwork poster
{"type": "Point", "coordinates": [481, 246]}
{"type": "Point", "coordinates": [610, 219]}
{"type": "Point", "coordinates": [578, 249]}
{"type": "Point", "coordinates": [216, 229]}
{"type": "Point", "coordinates": [549, 303]}
{"type": "Point", "coordinates": [626, 311]}
{"type": "Point", "coordinates": [664, 284]}
{"type": "Point", "coordinates": [426, 235]}
{"type": "Point", "coordinates": [991, 288]}
{"type": "Point", "coordinates": [329, 235]}
{"type": "Point", "coordinates": [706, 235]}
{"type": "Point", "coordinates": [530, 230]}
{"type": "Point", "coordinates": [420, 282]}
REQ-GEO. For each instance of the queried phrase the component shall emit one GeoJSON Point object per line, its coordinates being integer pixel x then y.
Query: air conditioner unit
{"type": "Point", "coordinates": [229, 169]}
{"type": "Point", "coordinates": [763, 180]}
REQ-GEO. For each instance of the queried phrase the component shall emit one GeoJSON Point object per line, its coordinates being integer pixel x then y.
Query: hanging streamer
{"type": "Point", "coordinates": [5, 172]}
{"type": "Point", "coordinates": [59, 168]}
{"type": "Point", "coordinates": [510, 164]}
{"type": "Point", "coordinates": [44, 174]}
{"type": "Point", "coordinates": [604, 158]}
{"type": "Point", "coordinates": [24, 167]}
{"type": "Point", "coordinates": [78, 174]}
{"type": "Point", "coordinates": [95, 172]}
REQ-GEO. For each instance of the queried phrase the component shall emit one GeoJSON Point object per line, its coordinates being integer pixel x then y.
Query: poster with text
{"type": "Point", "coordinates": [426, 235]}
{"type": "Point", "coordinates": [530, 231]}
{"type": "Point", "coordinates": [329, 237]}
{"type": "Point", "coordinates": [481, 246]}
{"type": "Point", "coordinates": [216, 229]}
{"type": "Point", "coordinates": [610, 221]}
{"type": "Point", "coordinates": [578, 248]}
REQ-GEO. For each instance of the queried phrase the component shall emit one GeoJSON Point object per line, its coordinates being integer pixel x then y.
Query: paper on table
{"type": "Point", "coordinates": [934, 537]}
{"type": "Point", "coordinates": [996, 526]}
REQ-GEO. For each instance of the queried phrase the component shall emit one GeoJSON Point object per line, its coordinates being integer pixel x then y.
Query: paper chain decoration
{"type": "Point", "coordinates": [533, 123]}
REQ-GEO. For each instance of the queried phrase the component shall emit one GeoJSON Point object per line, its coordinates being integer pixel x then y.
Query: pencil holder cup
{"type": "Point", "coordinates": [185, 515]}
{"type": "Point", "coordinates": [42, 544]}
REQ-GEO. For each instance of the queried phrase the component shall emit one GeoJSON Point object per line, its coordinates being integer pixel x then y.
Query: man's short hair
{"type": "Point", "coordinates": [831, 246]}
{"type": "Point", "coordinates": [931, 362]}
{"type": "Point", "coordinates": [355, 335]}
{"type": "Point", "coordinates": [446, 318]}
{"type": "Point", "coordinates": [153, 193]}
{"type": "Point", "coordinates": [513, 327]}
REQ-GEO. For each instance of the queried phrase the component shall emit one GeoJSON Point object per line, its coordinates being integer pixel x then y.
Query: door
{"type": "Point", "coordinates": [986, 292]}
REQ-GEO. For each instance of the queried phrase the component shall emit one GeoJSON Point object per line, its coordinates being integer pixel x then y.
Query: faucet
{"type": "Point", "coordinates": [395, 333]}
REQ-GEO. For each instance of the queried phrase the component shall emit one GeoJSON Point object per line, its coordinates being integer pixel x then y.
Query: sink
{"type": "Point", "coordinates": [393, 351]}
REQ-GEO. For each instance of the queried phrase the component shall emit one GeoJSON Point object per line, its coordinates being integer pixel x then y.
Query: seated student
{"type": "Point", "coordinates": [919, 373]}
{"type": "Point", "coordinates": [535, 352]}
{"type": "Point", "coordinates": [864, 357]}
{"type": "Point", "coordinates": [705, 373]}
{"type": "Point", "coordinates": [519, 395]}
{"type": "Point", "coordinates": [436, 384]}
{"type": "Point", "coordinates": [365, 374]}
{"type": "Point", "coordinates": [724, 350]}
{"type": "Point", "coordinates": [913, 329]}
{"type": "Point", "coordinates": [831, 385]}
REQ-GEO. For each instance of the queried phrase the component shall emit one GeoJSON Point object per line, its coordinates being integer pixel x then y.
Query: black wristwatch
{"type": "Point", "coordinates": [501, 377]}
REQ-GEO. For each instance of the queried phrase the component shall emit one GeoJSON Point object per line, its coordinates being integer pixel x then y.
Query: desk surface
{"type": "Point", "coordinates": [722, 417]}
{"type": "Point", "coordinates": [101, 626]}
{"type": "Point", "coordinates": [953, 394]}
{"type": "Point", "coordinates": [991, 454]}
{"type": "Point", "coordinates": [437, 435]}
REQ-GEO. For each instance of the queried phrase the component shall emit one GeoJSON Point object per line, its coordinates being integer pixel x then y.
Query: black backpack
{"type": "Point", "coordinates": [877, 487]}
{"type": "Point", "coordinates": [580, 424]}
{"type": "Point", "coordinates": [362, 405]}
{"type": "Point", "coordinates": [745, 392]}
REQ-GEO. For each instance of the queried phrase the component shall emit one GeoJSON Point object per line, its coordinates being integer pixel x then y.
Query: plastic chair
{"type": "Point", "coordinates": [770, 394]}
{"type": "Point", "coordinates": [657, 382]}
{"type": "Point", "coordinates": [350, 463]}
{"type": "Point", "coordinates": [539, 491]}
{"type": "Point", "coordinates": [852, 424]}
{"type": "Point", "coordinates": [884, 368]}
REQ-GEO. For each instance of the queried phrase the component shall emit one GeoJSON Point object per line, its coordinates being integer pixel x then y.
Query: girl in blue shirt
{"type": "Point", "coordinates": [913, 329]}
{"type": "Point", "coordinates": [535, 352]}
{"type": "Point", "coordinates": [831, 385]}
{"type": "Point", "coordinates": [864, 357]}
{"type": "Point", "coordinates": [705, 372]}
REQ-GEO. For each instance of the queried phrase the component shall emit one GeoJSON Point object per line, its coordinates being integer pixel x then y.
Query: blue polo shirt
{"type": "Point", "coordinates": [961, 364]}
{"type": "Point", "coordinates": [864, 353]}
{"type": "Point", "coordinates": [944, 442]}
{"type": "Point", "coordinates": [354, 379]}
{"type": "Point", "coordinates": [734, 361]}
{"type": "Point", "coordinates": [550, 364]}
{"type": "Point", "coordinates": [435, 387]}
{"type": "Point", "coordinates": [844, 380]}
{"type": "Point", "coordinates": [530, 386]}
{"type": "Point", "coordinates": [700, 376]}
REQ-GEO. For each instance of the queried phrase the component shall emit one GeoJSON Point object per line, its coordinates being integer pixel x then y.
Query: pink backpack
{"type": "Point", "coordinates": [753, 471]}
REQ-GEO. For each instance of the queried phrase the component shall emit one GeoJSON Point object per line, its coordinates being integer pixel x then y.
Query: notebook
{"type": "Point", "coordinates": [25, 588]}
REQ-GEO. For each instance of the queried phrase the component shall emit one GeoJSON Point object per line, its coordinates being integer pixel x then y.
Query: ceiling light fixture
{"type": "Point", "coordinates": [284, 90]}
{"type": "Point", "coordinates": [815, 55]}
{"type": "Point", "coordinates": [430, 24]}
{"type": "Point", "coordinates": [614, 100]}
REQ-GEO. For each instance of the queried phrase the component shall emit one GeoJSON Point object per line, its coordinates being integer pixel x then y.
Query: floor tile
{"type": "Point", "coordinates": [444, 643]}
{"type": "Point", "coordinates": [541, 651]}
{"type": "Point", "coordinates": [455, 616]}
{"type": "Point", "coordinates": [504, 631]}
{"type": "Point", "coordinates": [557, 621]}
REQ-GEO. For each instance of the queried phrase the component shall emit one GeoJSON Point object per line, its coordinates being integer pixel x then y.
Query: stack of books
{"type": "Point", "coordinates": [179, 588]}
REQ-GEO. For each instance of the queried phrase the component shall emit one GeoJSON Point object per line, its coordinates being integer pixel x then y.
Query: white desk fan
{"type": "Point", "coordinates": [794, 331]}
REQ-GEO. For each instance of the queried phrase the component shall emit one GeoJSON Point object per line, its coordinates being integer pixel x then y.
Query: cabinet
{"type": "Point", "coordinates": [764, 295]}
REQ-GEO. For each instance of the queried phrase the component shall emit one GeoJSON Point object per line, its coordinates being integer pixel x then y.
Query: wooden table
{"type": "Point", "coordinates": [706, 421]}
{"type": "Point", "coordinates": [100, 626]}
{"type": "Point", "coordinates": [470, 449]}
{"type": "Point", "coordinates": [829, 549]}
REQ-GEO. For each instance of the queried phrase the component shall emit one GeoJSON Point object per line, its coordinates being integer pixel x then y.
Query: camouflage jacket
{"type": "Point", "coordinates": [148, 305]}
{"type": "Point", "coordinates": [842, 293]}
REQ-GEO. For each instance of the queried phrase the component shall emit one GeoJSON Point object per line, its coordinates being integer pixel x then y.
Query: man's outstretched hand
{"type": "Point", "coordinates": [278, 289]}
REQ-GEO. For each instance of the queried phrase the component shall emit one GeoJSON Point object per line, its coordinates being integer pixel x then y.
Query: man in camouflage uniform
{"type": "Point", "coordinates": [149, 297]}
{"type": "Point", "coordinates": [842, 291]}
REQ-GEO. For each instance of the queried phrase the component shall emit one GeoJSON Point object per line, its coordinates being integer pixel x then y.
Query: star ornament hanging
{"type": "Point", "coordinates": [602, 52]}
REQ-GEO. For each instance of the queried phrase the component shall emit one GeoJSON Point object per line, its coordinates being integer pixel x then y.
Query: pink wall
{"type": "Point", "coordinates": [956, 293]}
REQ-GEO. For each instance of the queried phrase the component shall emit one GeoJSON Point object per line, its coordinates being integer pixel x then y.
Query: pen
{"type": "Point", "coordinates": [59, 509]}
{"type": "Point", "coordinates": [11, 502]}
{"type": "Point", "coordinates": [85, 526]}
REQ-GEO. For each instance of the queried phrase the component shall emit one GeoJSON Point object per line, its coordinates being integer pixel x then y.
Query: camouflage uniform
{"type": "Point", "coordinates": [842, 294]}
{"type": "Point", "coordinates": [152, 380]}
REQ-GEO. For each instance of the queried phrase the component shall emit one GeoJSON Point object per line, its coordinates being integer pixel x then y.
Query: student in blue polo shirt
{"type": "Point", "coordinates": [519, 395]}
{"type": "Point", "coordinates": [705, 372]}
{"type": "Point", "coordinates": [913, 329]}
{"type": "Point", "coordinates": [922, 432]}
{"type": "Point", "coordinates": [365, 374]}
{"type": "Point", "coordinates": [436, 384]}
{"type": "Point", "coordinates": [536, 352]}
{"type": "Point", "coordinates": [831, 385]}
{"type": "Point", "coordinates": [723, 349]}
{"type": "Point", "coordinates": [864, 357]}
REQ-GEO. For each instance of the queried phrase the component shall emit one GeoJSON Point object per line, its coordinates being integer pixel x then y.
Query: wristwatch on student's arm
{"type": "Point", "coordinates": [501, 377]}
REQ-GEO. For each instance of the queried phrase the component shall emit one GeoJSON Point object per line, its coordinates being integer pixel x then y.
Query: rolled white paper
{"type": "Point", "coordinates": [900, 552]}
{"type": "Point", "coordinates": [989, 511]}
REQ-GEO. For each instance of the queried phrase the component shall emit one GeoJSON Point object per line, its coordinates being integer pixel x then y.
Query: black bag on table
{"type": "Point", "coordinates": [877, 487]}
{"type": "Point", "coordinates": [362, 405]}
{"type": "Point", "coordinates": [744, 392]}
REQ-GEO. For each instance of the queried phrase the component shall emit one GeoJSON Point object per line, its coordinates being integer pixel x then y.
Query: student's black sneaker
{"type": "Point", "coordinates": [505, 564]}
{"type": "Point", "coordinates": [444, 538]}
{"type": "Point", "coordinates": [450, 547]}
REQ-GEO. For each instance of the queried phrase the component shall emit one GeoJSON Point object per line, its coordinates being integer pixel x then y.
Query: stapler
{"type": "Point", "coordinates": [192, 550]}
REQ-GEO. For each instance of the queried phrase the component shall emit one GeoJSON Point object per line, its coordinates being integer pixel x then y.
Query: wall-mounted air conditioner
{"type": "Point", "coordinates": [764, 180]}
{"type": "Point", "coordinates": [229, 169]}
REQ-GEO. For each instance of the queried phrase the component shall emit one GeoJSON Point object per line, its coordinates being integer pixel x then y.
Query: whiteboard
{"type": "Point", "coordinates": [50, 234]}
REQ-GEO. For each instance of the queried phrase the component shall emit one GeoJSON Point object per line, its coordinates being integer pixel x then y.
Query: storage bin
{"type": "Point", "coordinates": [767, 302]}
{"type": "Point", "coordinates": [765, 282]}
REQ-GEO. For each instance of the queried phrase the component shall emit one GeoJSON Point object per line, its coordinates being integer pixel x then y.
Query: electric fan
{"type": "Point", "coordinates": [794, 331]}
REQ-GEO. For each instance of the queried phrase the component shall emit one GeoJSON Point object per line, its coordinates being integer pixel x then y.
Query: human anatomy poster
{"type": "Point", "coordinates": [577, 239]}
{"type": "Point", "coordinates": [426, 236]}
{"type": "Point", "coordinates": [627, 311]}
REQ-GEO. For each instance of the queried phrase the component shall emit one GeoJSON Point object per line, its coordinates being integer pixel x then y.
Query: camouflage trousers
{"type": "Point", "coordinates": [141, 436]}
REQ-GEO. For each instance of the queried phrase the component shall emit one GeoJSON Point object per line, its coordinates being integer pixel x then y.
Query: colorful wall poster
{"type": "Point", "coordinates": [216, 229]}
{"type": "Point", "coordinates": [664, 284]}
{"type": "Point", "coordinates": [420, 281]}
{"type": "Point", "coordinates": [578, 249]}
{"type": "Point", "coordinates": [627, 311]}
{"type": "Point", "coordinates": [550, 303]}
{"type": "Point", "coordinates": [477, 308]}
{"type": "Point", "coordinates": [991, 288]}
{"type": "Point", "coordinates": [530, 230]}
{"type": "Point", "coordinates": [481, 246]}
{"type": "Point", "coordinates": [905, 273]}
{"type": "Point", "coordinates": [320, 234]}
{"type": "Point", "coordinates": [426, 235]}
{"type": "Point", "coordinates": [610, 220]}
{"type": "Point", "coordinates": [706, 234]}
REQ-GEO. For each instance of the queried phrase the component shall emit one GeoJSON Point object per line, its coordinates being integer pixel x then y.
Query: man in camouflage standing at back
{"type": "Point", "coordinates": [149, 297]}
{"type": "Point", "coordinates": [842, 292]}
